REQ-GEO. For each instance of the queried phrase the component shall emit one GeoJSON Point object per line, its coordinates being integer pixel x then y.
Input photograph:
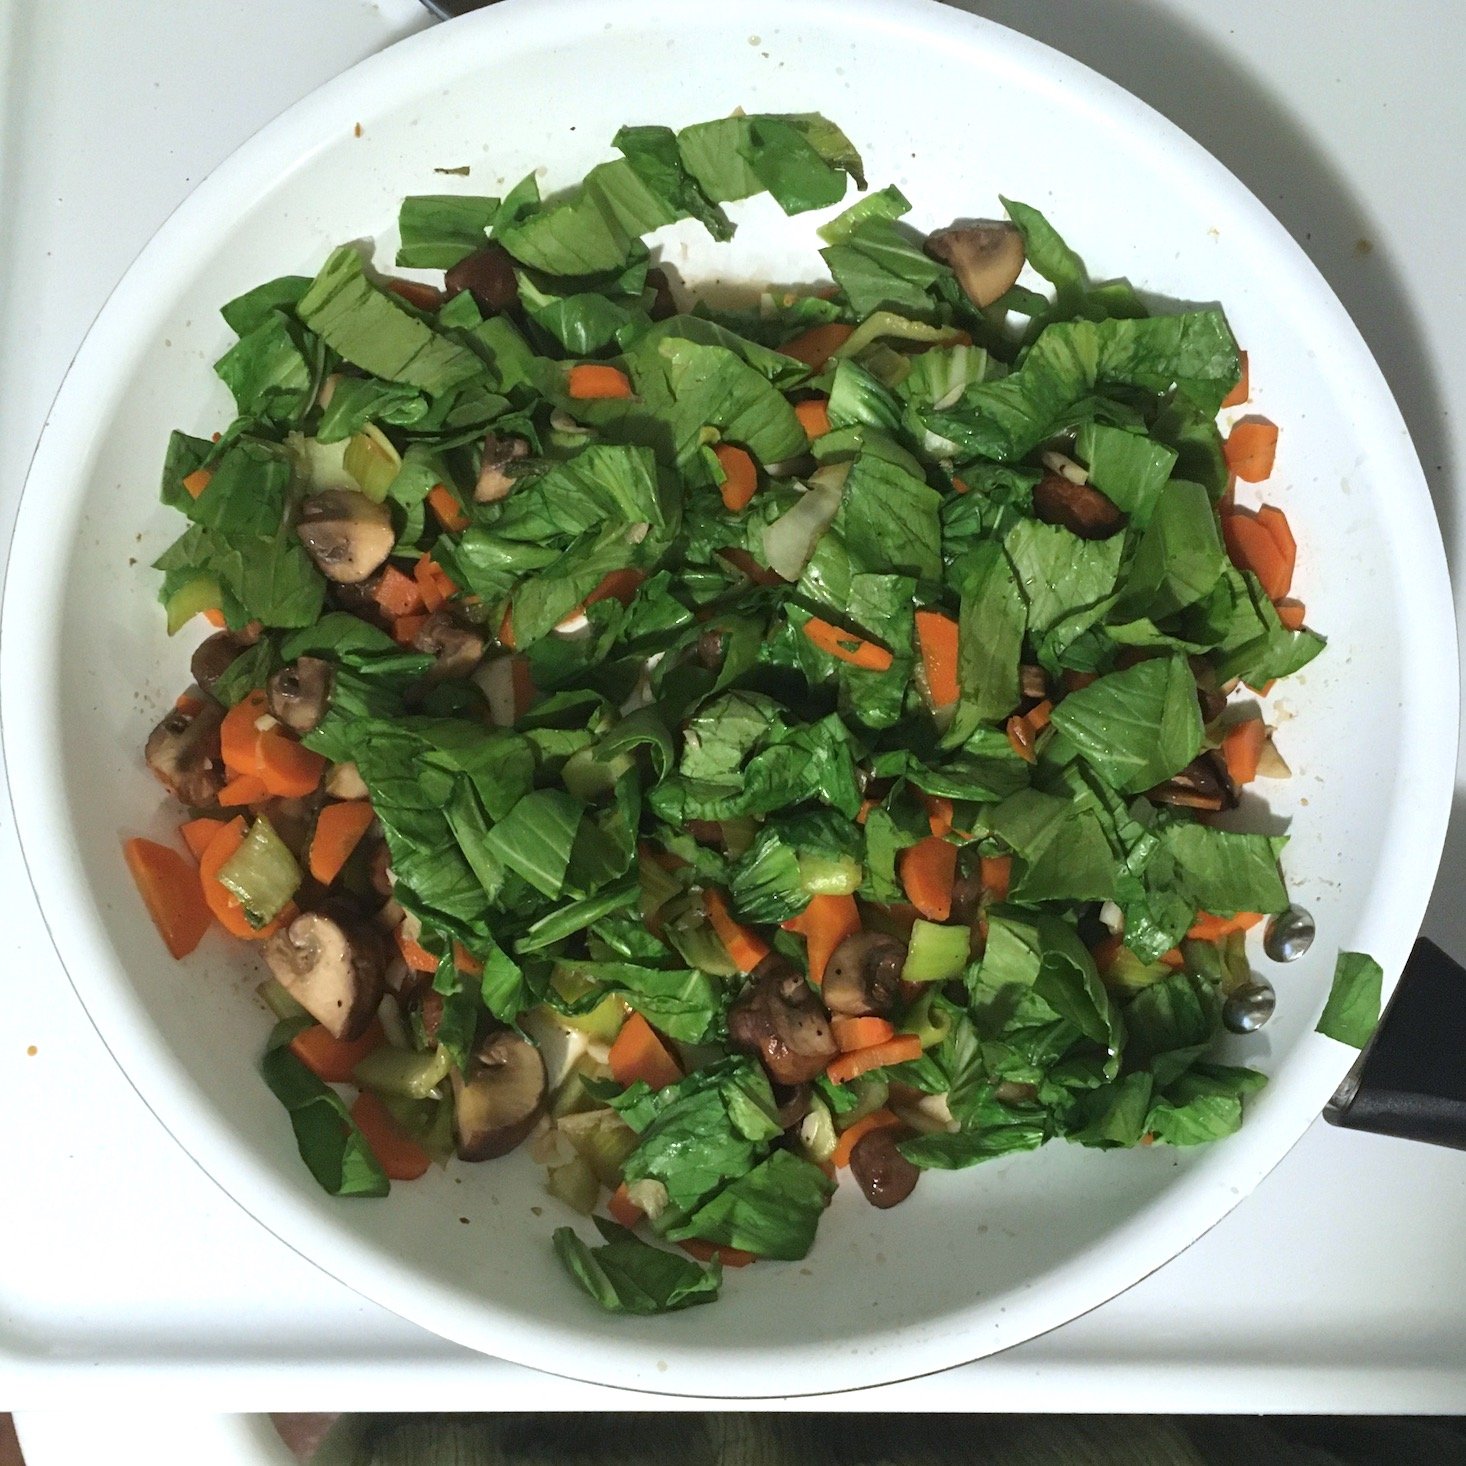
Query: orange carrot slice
{"type": "Point", "coordinates": [639, 1053]}
{"type": "Point", "coordinates": [928, 870]}
{"type": "Point", "coordinates": [936, 635]}
{"type": "Point", "coordinates": [817, 345]}
{"type": "Point", "coordinates": [740, 476]}
{"type": "Point", "coordinates": [824, 924]}
{"type": "Point", "coordinates": [814, 416]}
{"type": "Point", "coordinates": [745, 946]}
{"type": "Point", "coordinates": [899, 1050]}
{"type": "Point", "coordinates": [847, 646]}
{"type": "Point", "coordinates": [591, 380]}
{"type": "Point", "coordinates": [339, 828]}
{"type": "Point", "coordinates": [1250, 449]}
{"type": "Point", "coordinates": [401, 1157]}
{"type": "Point", "coordinates": [169, 886]}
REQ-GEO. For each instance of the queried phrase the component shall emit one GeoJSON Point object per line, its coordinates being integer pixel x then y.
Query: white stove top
{"type": "Point", "coordinates": [1335, 1287]}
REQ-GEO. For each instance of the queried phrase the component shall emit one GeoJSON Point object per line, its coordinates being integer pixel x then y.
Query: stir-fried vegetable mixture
{"type": "Point", "coordinates": [724, 748]}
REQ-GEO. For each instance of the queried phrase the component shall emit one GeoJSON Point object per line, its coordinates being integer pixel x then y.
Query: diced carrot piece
{"type": "Point", "coordinates": [618, 585]}
{"type": "Point", "coordinates": [744, 945]}
{"type": "Point", "coordinates": [241, 792]}
{"type": "Point", "coordinates": [1172, 959]}
{"type": "Point", "coordinates": [1021, 737]}
{"type": "Point", "coordinates": [938, 813]}
{"type": "Point", "coordinates": [1250, 546]}
{"type": "Point", "coordinates": [1242, 746]}
{"type": "Point", "coordinates": [1037, 717]}
{"type": "Point", "coordinates": [639, 1053]}
{"type": "Point", "coordinates": [197, 481]}
{"type": "Point", "coordinates": [288, 768]}
{"type": "Point", "coordinates": [876, 1120]}
{"type": "Point", "coordinates": [817, 345]}
{"type": "Point", "coordinates": [1209, 928]}
{"type": "Point", "coordinates": [824, 924]}
{"type": "Point", "coordinates": [339, 828]}
{"type": "Point", "coordinates": [197, 833]}
{"type": "Point", "coordinates": [624, 1210]}
{"type": "Point", "coordinates": [169, 886]}
{"type": "Point", "coordinates": [899, 1050]}
{"type": "Point", "coordinates": [446, 509]}
{"type": "Point", "coordinates": [406, 628]}
{"type": "Point", "coordinates": [996, 872]}
{"type": "Point", "coordinates": [417, 957]}
{"type": "Point", "coordinates": [401, 1157]}
{"type": "Point", "coordinates": [239, 733]}
{"type": "Point", "coordinates": [591, 380]}
{"type": "Point", "coordinates": [397, 594]}
{"type": "Point", "coordinates": [860, 1033]}
{"type": "Point", "coordinates": [215, 618]}
{"type": "Point", "coordinates": [1243, 390]}
{"type": "Point", "coordinates": [847, 646]}
{"type": "Point", "coordinates": [928, 870]}
{"type": "Point", "coordinates": [1291, 613]}
{"type": "Point", "coordinates": [936, 635]}
{"type": "Point", "coordinates": [740, 476]}
{"type": "Point", "coordinates": [814, 416]}
{"type": "Point", "coordinates": [433, 583]}
{"type": "Point", "coordinates": [1250, 449]}
{"type": "Point", "coordinates": [1275, 522]}
{"type": "Point", "coordinates": [331, 1058]}
{"type": "Point", "coordinates": [465, 961]}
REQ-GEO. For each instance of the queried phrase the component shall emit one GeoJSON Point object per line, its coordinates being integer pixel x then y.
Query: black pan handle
{"type": "Point", "coordinates": [1410, 1079]}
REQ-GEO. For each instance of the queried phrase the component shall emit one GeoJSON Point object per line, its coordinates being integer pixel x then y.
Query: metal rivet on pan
{"type": "Point", "coordinates": [1289, 935]}
{"type": "Point", "coordinates": [1248, 1007]}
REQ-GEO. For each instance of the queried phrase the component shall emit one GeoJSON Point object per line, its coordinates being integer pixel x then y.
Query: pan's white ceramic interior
{"type": "Point", "coordinates": [955, 111]}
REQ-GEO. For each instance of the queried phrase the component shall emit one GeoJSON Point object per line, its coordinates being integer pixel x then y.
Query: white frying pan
{"type": "Point", "coordinates": [955, 111]}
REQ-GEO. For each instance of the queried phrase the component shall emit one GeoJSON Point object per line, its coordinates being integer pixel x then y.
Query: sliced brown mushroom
{"type": "Point", "coordinates": [457, 649]}
{"type": "Point", "coordinates": [346, 534]}
{"type": "Point", "coordinates": [863, 976]}
{"type": "Point", "coordinates": [494, 479]}
{"type": "Point", "coordinates": [333, 967]}
{"type": "Point", "coordinates": [300, 693]}
{"type": "Point", "coordinates": [781, 1020]}
{"type": "Point", "coordinates": [884, 1174]}
{"type": "Point", "coordinates": [793, 1102]}
{"type": "Point", "coordinates": [488, 275]}
{"type": "Point", "coordinates": [1080, 508]}
{"type": "Point", "coordinates": [501, 1097]}
{"type": "Point", "coordinates": [986, 256]}
{"type": "Point", "coordinates": [183, 753]}
{"type": "Point", "coordinates": [379, 870]}
{"type": "Point", "coordinates": [217, 653]}
{"type": "Point", "coordinates": [1203, 784]}
{"type": "Point", "coordinates": [967, 892]}
{"type": "Point", "coordinates": [416, 293]}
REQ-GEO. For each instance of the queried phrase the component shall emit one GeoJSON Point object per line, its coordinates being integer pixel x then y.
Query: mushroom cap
{"type": "Point", "coordinates": [488, 275]}
{"type": "Point", "coordinates": [458, 649]}
{"type": "Point", "coordinates": [781, 1020]}
{"type": "Point", "coordinates": [333, 968]}
{"type": "Point", "coordinates": [1080, 508]}
{"type": "Point", "coordinates": [213, 656]}
{"type": "Point", "coordinates": [1203, 784]}
{"type": "Point", "coordinates": [300, 693]}
{"type": "Point", "coordinates": [986, 255]}
{"type": "Point", "coordinates": [346, 534]}
{"type": "Point", "coordinates": [863, 975]}
{"type": "Point", "coordinates": [500, 1099]}
{"type": "Point", "coordinates": [183, 754]}
{"type": "Point", "coordinates": [494, 479]}
{"type": "Point", "coordinates": [884, 1174]}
